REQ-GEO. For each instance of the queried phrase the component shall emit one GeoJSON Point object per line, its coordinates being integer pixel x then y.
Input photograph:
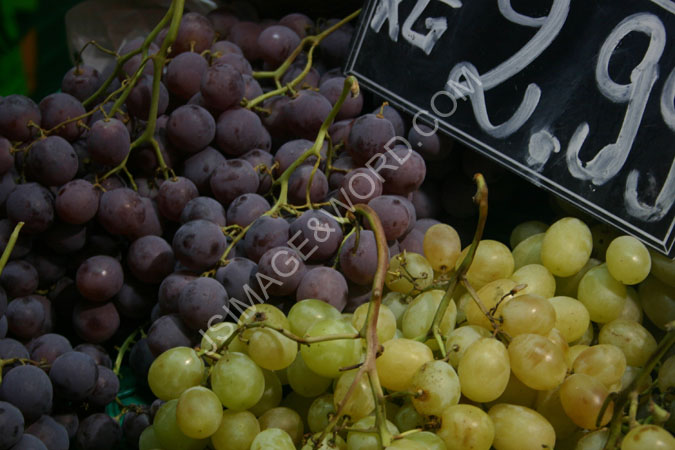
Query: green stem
{"type": "Point", "coordinates": [10, 246]}
{"type": "Point", "coordinates": [128, 342]}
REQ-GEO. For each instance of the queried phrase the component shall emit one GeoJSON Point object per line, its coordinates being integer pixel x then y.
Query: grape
{"type": "Point", "coordinates": [335, 47]}
{"type": "Point", "coordinates": [439, 387]}
{"type": "Point", "coordinates": [442, 247]}
{"type": "Point", "coordinates": [183, 74]}
{"type": "Point", "coordinates": [332, 89]}
{"type": "Point", "coordinates": [77, 202]}
{"type": "Point", "coordinates": [237, 61]}
{"type": "Point", "coordinates": [634, 340]}
{"type": "Point", "coordinates": [306, 112]}
{"type": "Point", "coordinates": [97, 353]}
{"type": "Point", "coordinates": [139, 100]}
{"type": "Point", "coordinates": [537, 362]}
{"type": "Point", "coordinates": [173, 195]}
{"type": "Point", "coordinates": [492, 261]}
{"type": "Point", "coordinates": [466, 426]}
{"type": "Point", "coordinates": [29, 389]}
{"type": "Point", "coordinates": [195, 33]}
{"type": "Point", "coordinates": [369, 136]}
{"type": "Point", "coordinates": [29, 442]}
{"type": "Point", "coordinates": [285, 419]}
{"type": "Point", "coordinates": [10, 348]}
{"type": "Point", "coordinates": [11, 425]}
{"type": "Point", "coordinates": [647, 436]}
{"type": "Point", "coordinates": [74, 376]}
{"type": "Point", "coordinates": [304, 381]}
{"type": "Point", "coordinates": [95, 323]}
{"type": "Point", "coordinates": [32, 204]}
{"type": "Point", "coordinates": [572, 318]}
{"type": "Point", "coordinates": [58, 108]}
{"type": "Point", "coordinates": [133, 425]}
{"type": "Point", "coordinates": [168, 432]}
{"type": "Point", "coordinates": [418, 273]}
{"type": "Point", "coordinates": [658, 301]}
{"type": "Point", "coordinates": [150, 259]}
{"type": "Point", "coordinates": [276, 43]}
{"type": "Point", "coordinates": [309, 81]}
{"type": "Point", "coordinates": [168, 332]}
{"type": "Point", "coordinates": [290, 151]}
{"type": "Point", "coordinates": [205, 208]}
{"type": "Point", "coordinates": [400, 361]}
{"type": "Point", "coordinates": [320, 412]}
{"type": "Point", "coordinates": [265, 233]}
{"type": "Point", "coordinates": [107, 387]}
{"type": "Point", "coordinates": [430, 144]}
{"type": "Point", "coordinates": [245, 35]}
{"type": "Point", "coordinates": [298, 184]}
{"type": "Point", "coordinates": [48, 347]}
{"type": "Point", "coordinates": [199, 244]}
{"type": "Point", "coordinates": [306, 312]}
{"type": "Point", "coordinates": [525, 230]}
{"type": "Point", "coordinates": [198, 412]}
{"type": "Point", "coordinates": [99, 278]}
{"type": "Point", "coordinates": [262, 162]}
{"type": "Point", "coordinates": [108, 142]}
{"type": "Point", "coordinates": [233, 178]}
{"type": "Point", "coordinates": [222, 86]}
{"type": "Point", "coordinates": [237, 431]}
{"type": "Point", "coordinates": [220, 48]}
{"type": "Point", "coordinates": [484, 370]}
{"type": "Point", "coordinates": [273, 439]}
{"type": "Point", "coordinates": [263, 313]}
{"type": "Point", "coordinates": [628, 260]}
{"type": "Point", "coordinates": [359, 263]}
{"type": "Point", "coordinates": [582, 397]}
{"type": "Point", "coordinates": [148, 439]}
{"type": "Point", "coordinates": [26, 317]}
{"type": "Point", "coordinates": [283, 269]}
{"type": "Point", "coordinates": [528, 314]}
{"type": "Point", "coordinates": [170, 289]}
{"type": "Point", "coordinates": [601, 294]}
{"type": "Point", "coordinates": [19, 278]}
{"type": "Point", "coordinates": [321, 233]}
{"type": "Point", "coordinates": [174, 371]}
{"type": "Point", "coordinates": [4, 326]}
{"type": "Point", "coordinates": [6, 156]}
{"type": "Point", "coordinates": [132, 65]}
{"type": "Point", "coordinates": [386, 321]}
{"type": "Point", "coordinates": [272, 395]}
{"type": "Point", "coordinates": [393, 214]}
{"type": "Point", "coordinates": [199, 167]}
{"type": "Point", "coordinates": [16, 112]}
{"type": "Point", "coordinates": [566, 247]}
{"type": "Point", "coordinates": [518, 427]}
{"type": "Point", "coordinates": [245, 209]}
{"type": "Point", "coordinates": [191, 128]}
{"type": "Point", "coordinates": [407, 417]}
{"type": "Point", "coordinates": [606, 363]}
{"type": "Point", "coordinates": [663, 268]}
{"type": "Point", "coordinates": [201, 303]}
{"type": "Point", "coordinates": [52, 161]}
{"type": "Point", "coordinates": [326, 358]}
{"type": "Point", "coordinates": [367, 441]}
{"type": "Point", "coordinates": [237, 381]}
{"type": "Point", "coordinates": [419, 315]}
{"type": "Point", "coordinates": [271, 350]}
{"type": "Point", "coordinates": [121, 211]}
{"type": "Point", "coordinates": [81, 82]}
{"type": "Point", "coordinates": [360, 402]}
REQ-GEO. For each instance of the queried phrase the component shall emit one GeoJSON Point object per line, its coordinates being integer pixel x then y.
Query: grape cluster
{"type": "Point", "coordinates": [222, 215]}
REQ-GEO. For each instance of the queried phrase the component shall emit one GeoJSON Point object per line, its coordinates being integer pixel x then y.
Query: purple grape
{"type": "Point", "coordinates": [3, 302]}
{"type": "Point", "coordinates": [6, 156]}
{"type": "Point", "coordinates": [50, 268]}
{"type": "Point", "coordinates": [97, 353]}
{"type": "Point", "coordinates": [26, 317]}
{"type": "Point", "coordinates": [393, 116]}
{"type": "Point", "coordinates": [246, 208]}
{"type": "Point", "coordinates": [339, 132]}
{"type": "Point", "coordinates": [276, 43]}
{"type": "Point", "coordinates": [134, 63]}
{"type": "Point", "coordinates": [19, 278]}
{"type": "Point", "coordinates": [99, 278]}
{"type": "Point", "coordinates": [16, 113]}
{"type": "Point", "coordinates": [11, 348]}
{"type": "Point", "coordinates": [332, 88]}
{"type": "Point", "coordinates": [191, 128]}
{"type": "Point", "coordinates": [29, 442]}
{"type": "Point", "coordinates": [233, 178]}
{"type": "Point", "coordinates": [195, 33]}
{"type": "Point", "coordinates": [29, 389]}
{"type": "Point", "coordinates": [150, 259]}
{"type": "Point", "coordinates": [52, 161]}
{"type": "Point", "coordinates": [432, 145]}
{"type": "Point", "coordinates": [297, 22]}
{"type": "Point", "coordinates": [275, 120]}
{"type": "Point", "coordinates": [121, 211]}
{"type": "Point", "coordinates": [95, 323]}
{"type": "Point", "coordinates": [252, 88]}
{"type": "Point", "coordinates": [73, 375]}
{"type": "Point", "coordinates": [199, 244]}
{"type": "Point", "coordinates": [58, 108]}
{"type": "Point", "coordinates": [335, 47]}
{"type": "Point", "coordinates": [170, 289]}
{"type": "Point", "coordinates": [326, 284]}
{"type": "Point", "coordinates": [220, 48]}
{"type": "Point", "coordinates": [285, 267]}
{"type": "Point", "coordinates": [245, 35]}
{"type": "Point", "coordinates": [222, 87]}
{"type": "Point", "coordinates": [237, 61]}
{"type": "Point", "coordinates": [140, 358]}
{"type": "Point", "coordinates": [335, 72]}
{"type": "Point", "coordinates": [426, 203]}
{"type": "Point", "coordinates": [23, 243]}
{"type": "Point", "coordinates": [108, 142]}
{"type": "Point", "coordinates": [11, 425]}
{"type": "Point", "coordinates": [300, 180]}
{"type": "Point", "coordinates": [81, 82]}
{"type": "Point", "coordinates": [403, 171]}
{"type": "Point", "coordinates": [360, 186]}
{"type": "Point", "coordinates": [265, 233]}
{"type": "Point", "coordinates": [64, 238]}
{"type": "Point", "coordinates": [77, 202]}
{"type": "Point", "coordinates": [238, 273]}
{"type": "Point", "coordinates": [240, 130]}
{"type": "Point", "coordinates": [139, 100]}
{"type": "Point", "coordinates": [7, 185]}
{"type": "Point", "coordinates": [309, 81]}
{"type": "Point", "coordinates": [32, 204]}
{"type": "Point", "coordinates": [52, 434]}
{"type": "Point", "coordinates": [106, 389]}
{"type": "Point", "coordinates": [168, 332]}
{"type": "Point", "coordinates": [135, 300]}
{"type": "Point", "coordinates": [358, 295]}
{"type": "Point", "coordinates": [173, 195]}
{"type": "Point", "coordinates": [184, 73]}
{"type": "Point", "coordinates": [222, 20]}
{"type": "Point", "coordinates": [205, 208]}
{"type": "Point", "coordinates": [199, 167]}
{"type": "Point", "coordinates": [48, 347]}
{"type": "Point", "coordinates": [98, 432]}
{"type": "Point", "coordinates": [306, 112]}
{"type": "Point", "coordinates": [4, 327]}
{"type": "Point", "coordinates": [343, 164]}
{"type": "Point", "coordinates": [288, 153]}
{"type": "Point", "coordinates": [358, 264]}
{"type": "Point", "coordinates": [393, 214]}
{"type": "Point", "coordinates": [368, 136]}
{"type": "Point", "coordinates": [69, 421]}
{"type": "Point", "coordinates": [202, 303]}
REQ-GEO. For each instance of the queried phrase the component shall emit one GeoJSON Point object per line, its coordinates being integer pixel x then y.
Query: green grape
{"type": "Point", "coordinates": [571, 317]}
{"type": "Point", "coordinates": [148, 439]}
{"type": "Point", "coordinates": [409, 273]}
{"type": "Point", "coordinates": [484, 370]}
{"type": "Point", "coordinates": [573, 352]}
{"type": "Point", "coordinates": [236, 431]}
{"type": "Point", "coordinates": [361, 402]}
{"type": "Point", "coordinates": [636, 343]}
{"type": "Point", "coordinates": [271, 396]}
{"type": "Point", "coordinates": [528, 314]}
{"type": "Point", "coordinates": [237, 381]}
{"type": "Point", "coordinates": [304, 381]}
{"type": "Point", "coordinates": [319, 413]}
{"type": "Point", "coordinates": [595, 440]}
{"type": "Point", "coordinates": [632, 310]}
{"type": "Point", "coordinates": [305, 312]}
{"type": "Point", "coordinates": [435, 386]}
{"type": "Point", "coordinates": [282, 375]}
{"type": "Point", "coordinates": [406, 444]}
{"type": "Point", "coordinates": [386, 321]}
{"type": "Point", "coordinates": [430, 440]}
{"type": "Point", "coordinates": [663, 268]}
{"type": "Point", "coordinates": [566, 247]}
{"type": "Point", "coordinates": [326, 358]}
{"type": "Point", "coordinates": [198, 412]}
{"type": "Point", "coordinates": [466, 427]}
{"type": "Point", "coordinates": [299, 404]}
{"type": "Point", "coordinates": [399, 361]}
{"type": "Point", "coordinates": [442, 246]}
{"type": "Point", "coordinates": [524, 230]}
{"type": "Point", "coordinates": [518, 428]}
{"type": "Point", "coordinates": [559, 341]}
{"type": "Point", "coordinates": [285, 419]}
{"type": "Point", "coordinates": [629, 376]}
{"type": "Point", "coordinates": [329, 442]}
{"type": "Point", "coordinates": [606, 363]}
{"type": "Point", "coordinates": [582, 397]}
{"type": "Point", "coordinates": [490, 295]}
{"type": "Point", "coordinates": [652, 437]}
{"type": "Point", "coordinates": [420, 314]}
{"type": "Point", "coordinates": [658, 301]}
{"type": "Point", "coordinates": [587, 337]}
{"type": "Point", "coordinates": [603, 235]}
{"type": "Point", "coordinates": [528, 251]}
{"type": "Point", "coordinates": [603, 296]}
{"type": "Point", "coordinates": [169, 434]}
{"type": "Point", "coordinates": [407, 418]}
{"type": "Point", "coordinates": [357, 440]}
{"type": "Point", "coordinates": [666, 378]}
{"type": "Point", "coordinates": [569, 286]}
{"type": "Point", "coordinates": [271, 350]}
{"type": "Point", "coordinates": [628, 260]}
{"type": "Point", "coordinates": [460, 339]}
{"type": "Point", "coordinates": [516, 393]}
{"type": "Point", "coordinates": [537, 278]}
{"type": "Point", "coordinates": [492, 261]}
{"type": "Point", "coordinates": [549, 405]}
{"type": "Point", "coordinates": [537, 361]}
{"type": "Point", "coordinates": [262, 313]}
{"type": "Point", "coordinates": [216, 335]}
{"type": "Point", "coordinates": [397, 303]}
{"type": "Point", "coordinates": [273, 439]}
{"type": "Point", "coordinates": [174, 371]}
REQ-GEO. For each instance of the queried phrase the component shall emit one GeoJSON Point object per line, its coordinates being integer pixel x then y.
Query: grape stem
{"type": "Point", "coordinates": [10, 246]}
{"type": "Point", "coordinates": [128, 342]}
{"type": "Point", "coordinates": [624, 397]}
{"type": "Point", "coordinates": [24, 361]}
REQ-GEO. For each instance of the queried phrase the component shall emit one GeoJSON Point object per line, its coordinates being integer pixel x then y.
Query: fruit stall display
{"type": "Point", "coordinates": [221, 243]}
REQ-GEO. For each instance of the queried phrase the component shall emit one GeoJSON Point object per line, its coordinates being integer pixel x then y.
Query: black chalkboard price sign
{"type": "Point", "coordinates": [578, 96]}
